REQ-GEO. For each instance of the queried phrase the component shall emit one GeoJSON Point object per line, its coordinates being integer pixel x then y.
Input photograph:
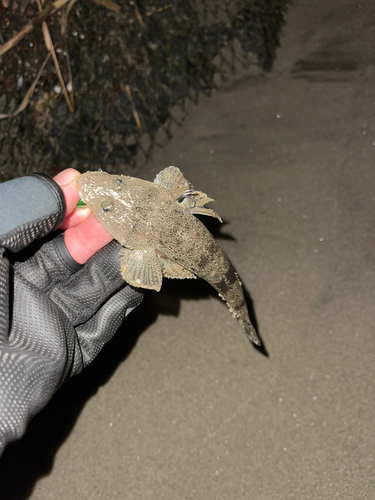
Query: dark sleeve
{"type": "Point", "coordinates": [30, 207]}
{"type": "Point", "coordinates": [55, 315]}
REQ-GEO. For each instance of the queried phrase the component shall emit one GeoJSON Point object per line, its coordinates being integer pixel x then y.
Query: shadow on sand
{"type": "Point", "coordinates": [26, 461]}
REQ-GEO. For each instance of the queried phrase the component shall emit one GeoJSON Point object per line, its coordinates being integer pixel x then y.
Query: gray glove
{"type": "Point", "coordinates": [55, 315]}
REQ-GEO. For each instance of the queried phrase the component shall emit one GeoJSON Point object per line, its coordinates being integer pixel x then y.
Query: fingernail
{"type": "Point", "coordinates": [66, 176]}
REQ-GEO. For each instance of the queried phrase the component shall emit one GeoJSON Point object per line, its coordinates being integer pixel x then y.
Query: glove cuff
{"type": "Point", "coordinates": [64, 255]}
{"type": "Point", "coordinates": [57, 193]}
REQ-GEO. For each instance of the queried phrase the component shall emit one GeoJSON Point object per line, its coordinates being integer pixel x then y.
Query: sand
{"type": "Point", "coordinates": [180, 405]}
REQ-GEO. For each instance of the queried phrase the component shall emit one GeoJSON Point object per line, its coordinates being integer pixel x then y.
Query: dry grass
{"type": "Point", "coordinates": [41, 19]}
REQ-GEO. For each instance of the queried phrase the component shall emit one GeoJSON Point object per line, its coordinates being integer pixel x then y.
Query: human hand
{"type": "Point", "coordinates": [84, 235]}
{"type": "Point", "coordinates": [56, 314]}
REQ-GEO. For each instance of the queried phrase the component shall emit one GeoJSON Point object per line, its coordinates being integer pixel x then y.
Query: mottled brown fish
{"type": "Point", "coordinates": [154, 222]}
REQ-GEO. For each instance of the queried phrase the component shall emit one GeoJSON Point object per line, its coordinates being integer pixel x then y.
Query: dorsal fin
{"type": "Point", "coordinates": [173, 179]}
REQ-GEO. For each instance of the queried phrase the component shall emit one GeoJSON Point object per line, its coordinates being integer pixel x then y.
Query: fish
{"type": "Point", "coordinates": [156, 224]}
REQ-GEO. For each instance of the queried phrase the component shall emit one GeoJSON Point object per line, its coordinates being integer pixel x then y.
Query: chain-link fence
{"type": "Point", "coordinates": [89, 83]}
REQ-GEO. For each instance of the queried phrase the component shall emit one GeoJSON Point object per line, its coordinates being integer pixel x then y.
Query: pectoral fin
{"type": "Point", "coordinates": [171, 269]}
{"type": "Point", "coordinates": [195, 202]}
{"type": "Point", "coordinates": [141, 268]}
{"type": "Point", "coordinates": [184, 192]}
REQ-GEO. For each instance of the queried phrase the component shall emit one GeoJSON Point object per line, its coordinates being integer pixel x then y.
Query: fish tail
{"type": "Point", "coordinates": [250, 331]}
{"type": "Point", "coordinates": [236, 302]}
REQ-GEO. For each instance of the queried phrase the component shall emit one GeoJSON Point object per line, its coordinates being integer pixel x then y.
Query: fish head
{"type": "Point", "coordinates": [95, 185]}
{"type": "Point", "coordinates": [100, 190]}
{"type": "Point", "coordinates": [119, 201]}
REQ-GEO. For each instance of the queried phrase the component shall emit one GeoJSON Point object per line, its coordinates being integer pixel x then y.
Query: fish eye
{"type": "Point", "coordinates": [107, 206]}
{"type": "Point", "coordinates": [117, 184]}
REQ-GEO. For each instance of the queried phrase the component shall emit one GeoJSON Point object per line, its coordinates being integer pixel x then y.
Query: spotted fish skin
{"type": "Point", "coordinates": [155, 223]}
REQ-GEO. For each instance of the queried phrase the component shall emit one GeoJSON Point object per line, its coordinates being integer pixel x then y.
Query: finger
{"type": "Point", "coordinates": [87, 238]}
{"type": "Point", "coordinates": [76, 217]}
{"type": "Point", "coordinates": [67, 181]}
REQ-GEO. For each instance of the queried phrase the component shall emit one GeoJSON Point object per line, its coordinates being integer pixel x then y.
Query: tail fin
{"type": "Point", "coordinates": [250, 331]}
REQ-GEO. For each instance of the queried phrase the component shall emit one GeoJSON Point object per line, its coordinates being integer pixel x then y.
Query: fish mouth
{"type": "Point", "coordinates": [79, 183]}
{"type": "Point", "coordinates": [90, 185]}
{"type": "Point", "coordinates": [80, 187]}
{"type": "Point", "coordinates": [83, 185]}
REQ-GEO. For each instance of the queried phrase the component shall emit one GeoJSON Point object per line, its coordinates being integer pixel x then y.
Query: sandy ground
{"type": "Point", "coordinates": [179, 405]}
